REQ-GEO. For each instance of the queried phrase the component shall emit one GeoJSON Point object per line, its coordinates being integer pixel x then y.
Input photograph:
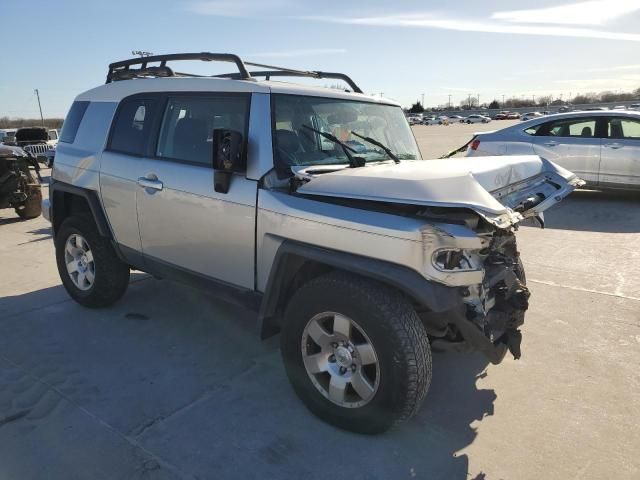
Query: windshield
{"type": "Point", "coordinates": [297, 144]}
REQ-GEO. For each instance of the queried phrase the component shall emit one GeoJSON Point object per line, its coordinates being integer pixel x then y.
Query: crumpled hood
{"type": "Point", "coordinates": [503, 190]}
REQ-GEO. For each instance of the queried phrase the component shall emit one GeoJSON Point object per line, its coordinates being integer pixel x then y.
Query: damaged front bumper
{"type": "Point", "coordinates": [491, 312]}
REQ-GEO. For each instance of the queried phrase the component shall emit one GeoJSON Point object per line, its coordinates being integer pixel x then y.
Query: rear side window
{"type": "Point", "coordinates": [187, 129]}
{"type": "Point", "coordinates": [72, 122]}
{"type": "Point", "coordinates": [576, 127]}
{"type": "Point", "coordinates": [132, 125]}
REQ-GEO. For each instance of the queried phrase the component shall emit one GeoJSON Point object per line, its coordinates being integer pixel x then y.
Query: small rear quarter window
{"type": "Point", "coordinates": [532, 130]}
{"type": "Point", "coordinates": [72, 122]}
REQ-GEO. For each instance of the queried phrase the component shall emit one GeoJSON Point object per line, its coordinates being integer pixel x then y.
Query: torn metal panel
{"type": "Point", "coordinates": [502, 190]}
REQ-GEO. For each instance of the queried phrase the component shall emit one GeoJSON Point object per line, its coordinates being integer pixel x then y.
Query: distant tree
{"type": "Point", "coordinates": [545, 100]}
{"type": "Point", "coordinates": [494, 104]}
{"type": "Point", "coordinates": [416, 108]}
{"type": "Point", "coordinates": [6, 122]}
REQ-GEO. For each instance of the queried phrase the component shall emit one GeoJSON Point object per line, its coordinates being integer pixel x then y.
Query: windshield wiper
{"type": "Point", "coordinates": [354, 162]}
{"type": "Point", "coordinates": [375, 142]}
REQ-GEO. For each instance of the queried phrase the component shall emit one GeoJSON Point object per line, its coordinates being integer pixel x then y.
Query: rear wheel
{"type": "Point", "coordinates": [32, 207]}
{"type": "Point", "coordinates": [356, 352]}
{"type": "Point", "coordinates": [90, 270]}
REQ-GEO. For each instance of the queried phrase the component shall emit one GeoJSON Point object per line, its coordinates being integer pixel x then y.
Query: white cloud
{"type": "Point", "coordinates": [236, 8]}
{"type": "Point", "coordinates": [298, 53]}
{"type": "Point", "coordinates": [431, 20]}
{"type": "Point", "coordinates": [594, 12]}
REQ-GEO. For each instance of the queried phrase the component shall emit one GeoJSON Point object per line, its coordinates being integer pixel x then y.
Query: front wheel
{"type": "Point", "coordinates": [356, 352]}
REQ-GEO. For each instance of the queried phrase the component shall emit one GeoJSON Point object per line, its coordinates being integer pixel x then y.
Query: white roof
{"type": "Point", "coordinates": [116, 91]}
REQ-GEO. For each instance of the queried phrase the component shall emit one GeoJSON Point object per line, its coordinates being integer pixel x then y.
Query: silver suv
{"type": "Point", "coordinates": [313, 207]}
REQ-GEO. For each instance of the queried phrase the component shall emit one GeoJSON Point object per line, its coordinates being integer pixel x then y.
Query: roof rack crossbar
{"type": "Point", "coordinates": [121, 70]}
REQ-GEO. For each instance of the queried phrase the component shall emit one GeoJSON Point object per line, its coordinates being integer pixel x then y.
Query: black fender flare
{"type": "Point", "coordinates": [90, 196]}
{"type": "Point", "coordinates": [291, 255]}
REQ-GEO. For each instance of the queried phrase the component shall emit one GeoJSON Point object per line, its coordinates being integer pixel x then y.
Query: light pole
{"type": "Point", "coordinates": [449, 101]}
{"type": "Point", "coordinates": [422, 101]}
{"type": "Point", "coordinates": [469, 102]}
{"type": "Point", "coordinates": [503, 100]}
{"type": "Point", "coordinates": [478, 100]}
{"type": "Point", "coordinates": [39, 106]}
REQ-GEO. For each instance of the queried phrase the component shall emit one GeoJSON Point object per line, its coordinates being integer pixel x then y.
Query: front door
{"type": "Point", "coordinates": [620, 165]}
{"type": "Point", "coordinates": [184, 222]}
{"type": "Point", "coordinates": [571, 143]}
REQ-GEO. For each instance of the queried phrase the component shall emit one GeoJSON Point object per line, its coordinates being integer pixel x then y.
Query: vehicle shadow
{"type": "Point", "coordinates": [595, 211]}
{"type": "Point", "coordinates": [45, 233]}
{"type": "Point", "coordinates": [177, 369]}
{"type": "Point", "coordinates": [10, 220]}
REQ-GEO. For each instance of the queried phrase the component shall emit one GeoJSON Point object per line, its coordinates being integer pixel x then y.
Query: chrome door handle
{"type": "Point", "coordinates": [551, 143]}
{"type": "Point", "coordinates": [613, 145]}
{"type": "Point", "coordinates": [153, 184]}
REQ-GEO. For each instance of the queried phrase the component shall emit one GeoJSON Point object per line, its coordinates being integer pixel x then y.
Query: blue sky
{"type": "Point", "coordinates": [403, 48]}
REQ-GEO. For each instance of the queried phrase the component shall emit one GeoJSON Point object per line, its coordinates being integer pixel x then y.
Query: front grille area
{"type": "Point", "coordinates": [36, 149]}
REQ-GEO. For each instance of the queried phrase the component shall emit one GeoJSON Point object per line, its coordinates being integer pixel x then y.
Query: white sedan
{"type": "Point", "coordinates": [601, 147]}
{"type": "Point", "coordinates": [477, 119]}
{"type": "Point", "coordinates": [531, 116]}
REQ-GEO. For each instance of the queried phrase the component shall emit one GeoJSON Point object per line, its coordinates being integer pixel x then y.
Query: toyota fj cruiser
{"type": "Point", "coordinates": [311, 206]}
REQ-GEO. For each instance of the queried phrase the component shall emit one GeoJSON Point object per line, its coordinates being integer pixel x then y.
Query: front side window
{"type": "Point", "coordinates": [188, 125]}
{"type": "Point", "coordinates": [132, 125]}
{"type": "Point", "coordinates": [575, 127]}
{"type": "Point", "coordinates": [53, 135]}
{"type": "Point", "coordinates": [624, 128]}
{"type": "Point", "coordinates": [297, 120]}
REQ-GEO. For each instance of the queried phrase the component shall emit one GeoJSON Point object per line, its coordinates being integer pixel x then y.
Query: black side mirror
{"type": "Point", "coordinates": [228, 157]}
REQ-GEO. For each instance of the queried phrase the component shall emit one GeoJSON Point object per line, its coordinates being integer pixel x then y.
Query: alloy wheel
{"type": "Point", "coordinates": [79, 260]}
{"type": "Point", "coordinates": [340, 360]}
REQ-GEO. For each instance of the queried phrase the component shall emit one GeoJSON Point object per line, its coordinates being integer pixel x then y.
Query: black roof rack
{"type": "Point", "coordinates": [122, 71]}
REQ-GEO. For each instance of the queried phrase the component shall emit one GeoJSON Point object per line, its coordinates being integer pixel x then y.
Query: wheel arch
{"type": "Point", "coordinates": [296, 263]}
{"type": "Point", "coordinates": [68, 199]}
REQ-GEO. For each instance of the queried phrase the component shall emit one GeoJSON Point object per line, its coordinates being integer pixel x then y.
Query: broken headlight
{"type": "Point", "coordinates": [456, 260]}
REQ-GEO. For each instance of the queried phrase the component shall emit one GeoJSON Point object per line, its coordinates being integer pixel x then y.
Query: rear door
{"type": "Point", "coordinates": [184, 222]}
{"type": "Point", "coordinates": [122, 164]}
{"type": "Point", "coordinates": [572, 143]}
{"type": "Point", "coordinates": [620, 165]}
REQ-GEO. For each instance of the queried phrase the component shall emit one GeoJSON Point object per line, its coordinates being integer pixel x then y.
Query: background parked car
{"type": "Point", "coordinates": [8, 135]}
{"type": "Point", "coordinates": [601, 147]}
{"type": "Point", "coordinates": [38, 141]}
{"type": "Point", "coordinates": [477, 119]}
{"type": "Point", "coordinates": [530, 116]}
{"type": "Point", "coordinates": [513, 116]}
{"type": "Point", "coordinates": [502, 115]}
{"type": "Point", "coordinates": [456, 119]}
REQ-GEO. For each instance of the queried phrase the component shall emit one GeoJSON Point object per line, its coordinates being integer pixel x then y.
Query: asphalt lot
{"type": "Point", "coordinates": [171, 383]}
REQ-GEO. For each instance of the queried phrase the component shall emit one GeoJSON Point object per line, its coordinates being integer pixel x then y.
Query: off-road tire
{"type": "Point", "coordinates": [32, 208]}
{"type": "Point", "coordinates": [111, 274]}
{"type": "Point", "coordinates": [396, 332]}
